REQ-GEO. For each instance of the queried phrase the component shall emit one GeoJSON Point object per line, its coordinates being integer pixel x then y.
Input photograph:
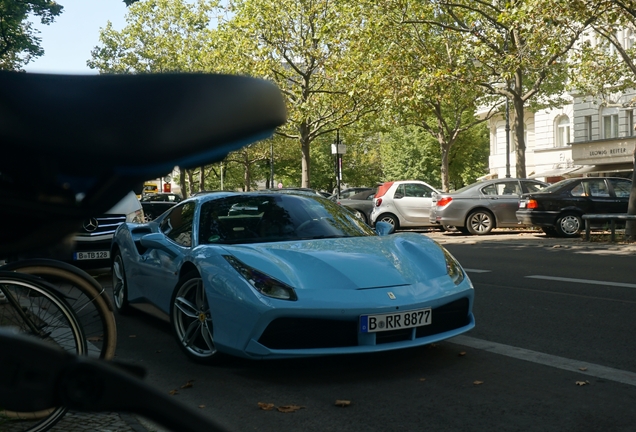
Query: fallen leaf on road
{"type": "Point", "coordinates": [266, 406]}
{"type": "Point", "coordinates": [478, 382]}
{"type": "Point", "coordinates": [463, 353]}
{"type": "Point", "coordinates": [289, 408]}
{"type": "Point", "coordinates": [188, 384]}
{"type": "Point", "coordinates": [583, 369]}
{"type": "Point", "coordinates": [422, 379]}
{"type": "Point", "coordinates": [173, 392]}
{"type": "Point", "coordinates": [556, 246]}
{"type": "Point", "coordinates": [132, 336]}
{"type": "Point", "coordinates": [201, 406]}
{"type": "Point", "coordinates": [582, 383]}
{"type": "Point", "coordinates": [343, 403]}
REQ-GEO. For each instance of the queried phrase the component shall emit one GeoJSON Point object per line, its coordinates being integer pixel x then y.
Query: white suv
{"type": "Point", "coordinates": [403, 204]}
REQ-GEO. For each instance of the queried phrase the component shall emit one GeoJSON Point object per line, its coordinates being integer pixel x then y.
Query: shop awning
{"type": "Point", "coordinates": [557, 172]}
{"type": "Point", "coordinates": [606, 168]}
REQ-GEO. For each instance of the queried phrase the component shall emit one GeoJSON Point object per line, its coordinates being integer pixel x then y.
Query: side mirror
{"type": "Point", "coordinates": [384, 228]}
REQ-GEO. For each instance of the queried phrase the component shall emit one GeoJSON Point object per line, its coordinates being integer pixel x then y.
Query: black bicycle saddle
{"type": "Point", "coordinates": [74, 145]}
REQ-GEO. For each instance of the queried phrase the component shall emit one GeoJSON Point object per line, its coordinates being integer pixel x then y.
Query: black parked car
{"type": "Point", "coordinates": [156, 204]}
{"type": "Point", "coordinates": [558, 209]}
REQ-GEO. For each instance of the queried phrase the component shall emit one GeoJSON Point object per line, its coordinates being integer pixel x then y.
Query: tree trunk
{"type": "Point", "coordinates": [519, 133]}
{"type": "Point", "coordinates": [246, 173]}
{"type": "Point", "coordinates": [202, 180]}
{"type": "Point", "coordinates": [306, 161]}
{"type": "Point", "coordinates": [630, 225]}
{"type": "Point", "coordinates": [190, 181]}
{"type": "Point", "coordinates": [182, 183]}
{"type": "Point", "coordinates": [445, 150]}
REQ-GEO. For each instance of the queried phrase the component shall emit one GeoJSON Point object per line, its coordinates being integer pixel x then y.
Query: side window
{"type": "Point", "coordinates": [622, 188]}
{"type": "Point", "coordinates": [578, 190]}
{"type": "Point", "coordinates": [532, 186]}
{"type": "Point", "coordinates": [508, 188]}
{"type": "Point", "coordinates": [418, 190]}
{"type": "Point", "coordinates": [399, 192]}
{"type": "Point", "coordinates": [491, 189]}
{"type": "Point", "coordinates": [177, 225]}
{"type": "Point", "coordinates": [598, 188]}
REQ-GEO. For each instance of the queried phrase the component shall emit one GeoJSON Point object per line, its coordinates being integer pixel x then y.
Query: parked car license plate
{"type": "Point", "coordinates": [92, 255]}
{"type": "Point", "coordinates": [394, 321]}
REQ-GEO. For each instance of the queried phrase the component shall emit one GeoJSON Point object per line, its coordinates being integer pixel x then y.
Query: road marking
{"type": "Point", "coordinates": [477, 271]}
{"type": "Point", "coordinates": [583, 281]}
{"type": "Point", "coordinates": [593, 370]}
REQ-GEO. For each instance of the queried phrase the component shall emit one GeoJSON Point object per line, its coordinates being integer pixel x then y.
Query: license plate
{"type": "Point", "coordinates": [522, 204]}
{"type": "Point", "coordinates": [395, 321]}
{"type": "Point", "coordinates": [92, 255]}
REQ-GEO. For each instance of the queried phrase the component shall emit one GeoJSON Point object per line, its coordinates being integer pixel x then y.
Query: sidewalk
{"type": "Point", "coordinates": [535, 238]}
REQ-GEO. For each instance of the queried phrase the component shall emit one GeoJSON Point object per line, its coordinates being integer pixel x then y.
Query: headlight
{"type": "Point", "coordinates": [261, 282]}
{"type": "Point", "coordinates": [453, 268]}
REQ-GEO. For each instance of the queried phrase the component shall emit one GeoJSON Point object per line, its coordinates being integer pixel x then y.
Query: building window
{"type": "Point", "coordinates": [588, 128]}
{"type": "Point", "coordinates": [610, 125]}
{"type": "Point", "coordinates": [562, 137]}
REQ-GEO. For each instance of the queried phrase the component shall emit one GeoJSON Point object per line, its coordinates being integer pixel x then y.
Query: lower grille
{"type": "Point", "coordinates": [303, 333]}
{"type": "Point", "coordinates": [308, 333]}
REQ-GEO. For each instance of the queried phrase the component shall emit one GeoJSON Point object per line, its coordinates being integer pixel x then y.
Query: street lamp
{"type": "Point", "coordinates": [338, 149]}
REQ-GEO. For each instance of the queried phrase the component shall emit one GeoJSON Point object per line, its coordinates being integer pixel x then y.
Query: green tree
{"type": "Point", "coordinates": [159, 36]}
{"type": "Point", "coordinates": [19, 43]}
{"type": "Point", "coordinates": [521, 47]}
{"type": "Point", "coordinates": [303, 46]}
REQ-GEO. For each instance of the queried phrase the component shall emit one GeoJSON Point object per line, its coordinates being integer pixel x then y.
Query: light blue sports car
{"type": "Point", "coordinates": [287, 274]}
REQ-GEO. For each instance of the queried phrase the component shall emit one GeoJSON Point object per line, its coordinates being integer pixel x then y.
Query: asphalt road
{"type": "Point", "coordinates": [552, 351]}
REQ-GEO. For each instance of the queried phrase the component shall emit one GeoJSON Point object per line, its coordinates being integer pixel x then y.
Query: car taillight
{"type": "Point", "coordinates": [441, 202]}
{"type": "Point", "coordinates": [532, 204]}
{"type": "Point", "coordinates": [378, 202]}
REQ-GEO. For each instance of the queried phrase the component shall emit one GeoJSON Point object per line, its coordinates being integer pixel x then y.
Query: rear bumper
{"type": "Point", "coordinates": [536, 218]}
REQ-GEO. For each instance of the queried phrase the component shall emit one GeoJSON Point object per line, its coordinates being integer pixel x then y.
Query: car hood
{"type": "Point", "coordinates": [347, 263]}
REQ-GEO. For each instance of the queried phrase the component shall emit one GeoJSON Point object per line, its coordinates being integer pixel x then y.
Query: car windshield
{"type": "Point", "coordinates": [257, 218]}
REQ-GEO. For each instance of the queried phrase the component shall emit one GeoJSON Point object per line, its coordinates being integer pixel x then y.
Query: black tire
{"type": "Point", "coordinates": [550, 231]}
{"type": "Point", "coordinates": [389, 218]}
{"type": "Point", "coordinates": [120, 286]}
{"type": "Point", "coordinates": [360, 215]}
{"type": "Point", "coordinates": [569, 225]}
{"type": "Point", "coordinates": [480, 222]}
{"type": "Point", "coordinates": [191, 320]}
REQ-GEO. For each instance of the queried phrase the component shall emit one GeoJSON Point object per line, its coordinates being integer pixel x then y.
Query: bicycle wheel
{"type": "Point", "coordinates": [86, 296]}
{"type": "Point", "coordinates": [33, 307]}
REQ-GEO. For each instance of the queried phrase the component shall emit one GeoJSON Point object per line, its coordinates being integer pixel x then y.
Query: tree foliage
{"type": "Point", "coordinates": [19, 43]}
{"type": "Point", "coordinates": [303, 46]}
{"type": "Point", "coordinates": [425, 74]}
{"type": "Point", "coordinates": [520, 46]}
{"type": "Point", "coordinates": [159, 36]}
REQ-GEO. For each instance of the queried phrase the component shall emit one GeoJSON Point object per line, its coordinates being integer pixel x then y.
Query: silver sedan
{"type": "Point", "coordinates": [482, 206]}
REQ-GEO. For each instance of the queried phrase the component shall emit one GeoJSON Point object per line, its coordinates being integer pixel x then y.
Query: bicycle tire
{"type": "Point", "coordinates": [35, 307]}
{"type": "Point", "coordinates": [86, 296]}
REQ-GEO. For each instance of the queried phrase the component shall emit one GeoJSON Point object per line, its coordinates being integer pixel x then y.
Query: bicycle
{"type": "Point", "coordinates": [32, 306]}
{"type": "Point", "coordinates": [97, 138]}
{"type": "Point", "coordinates": [85, 295]}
